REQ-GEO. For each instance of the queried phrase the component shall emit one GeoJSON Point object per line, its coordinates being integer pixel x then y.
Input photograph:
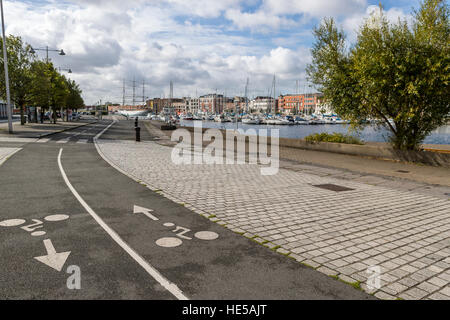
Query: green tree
{"type": "Point", "coordinates": [20, 57]}
{"type": "Point", "coordinates": [74, 99]}
{"type": "Point", "coordinates": [397, 73]}
{"type": "Point", "coordinates": [41, 86]}
{"type": "Point", "coordinates": [59, 91]}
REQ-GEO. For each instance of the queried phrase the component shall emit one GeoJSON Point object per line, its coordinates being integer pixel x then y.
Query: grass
{"type": "Point", "coordinates": [334, 137]}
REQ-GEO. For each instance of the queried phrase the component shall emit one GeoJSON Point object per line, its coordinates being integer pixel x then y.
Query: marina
{"type": "Point", "coordinates": [370, 132]}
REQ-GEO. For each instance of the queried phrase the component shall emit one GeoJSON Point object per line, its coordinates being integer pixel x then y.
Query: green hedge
{"type": "Point", "coordinates": [334, 137]}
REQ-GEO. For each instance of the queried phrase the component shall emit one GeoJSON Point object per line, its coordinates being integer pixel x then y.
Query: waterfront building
{"type": "Point", "coordinates": [157, 105]}
{"type": "Point", "coordinates": [179, 105]}
{"type": "Point", "coordinates": [262, 105]}
{"type": "Point", "coordinates": [212, 103]}
{"type": "Point", "coordinates": [291, 103]}
{"type": "Point", "coordinates": [192, 105]}
{"type": "Point", "coordinates": [115, 108]}
{"type": "Point", "coordinates": [307, 103]}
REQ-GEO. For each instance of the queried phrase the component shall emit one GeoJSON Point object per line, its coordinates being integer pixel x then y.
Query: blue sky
{"type": "Point", "coordinates": [201, 45]}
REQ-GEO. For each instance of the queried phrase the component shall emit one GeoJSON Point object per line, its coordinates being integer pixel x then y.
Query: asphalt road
{"type": "Point", "coordinates": [81, 205]}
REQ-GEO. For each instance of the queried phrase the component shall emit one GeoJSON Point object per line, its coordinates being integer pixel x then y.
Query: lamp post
{"type": "Point", "coordinates": [5, 62]}
{"type": "Point", "coordinates": [67, 109]}
{"type": "Point", "coordinates": [62, 69]}
{"type": "Point", "coordinates": [47, 50]}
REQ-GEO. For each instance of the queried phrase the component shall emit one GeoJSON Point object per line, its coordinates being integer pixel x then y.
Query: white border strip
{"type": "Point", "coordinates": [5, 158]}
{"type": "Point", "coordinates": [171, 287]}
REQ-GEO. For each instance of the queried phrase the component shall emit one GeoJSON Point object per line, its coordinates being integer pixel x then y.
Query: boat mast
{"type": "Point", "coordinates": [274, 103]}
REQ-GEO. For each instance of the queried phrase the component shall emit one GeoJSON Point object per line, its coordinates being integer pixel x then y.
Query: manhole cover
{"type": "Point", "coordinates": [333, 187]}
{"type": "Point", "coordinates": [402, 171]}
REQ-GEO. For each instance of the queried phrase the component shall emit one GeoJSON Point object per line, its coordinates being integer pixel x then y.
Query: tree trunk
{"type": "Point", "coordinates": [22, 116]}
{"type": "Point", "coordinates": [54, 115]}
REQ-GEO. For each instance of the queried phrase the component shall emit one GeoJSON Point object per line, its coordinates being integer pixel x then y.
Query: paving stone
{"type": "Point", "coordinates": [282, 251]}
{"type": "Point", "coordinates": [396, 287]}
{"type": "Point", "coordinates": [416, 293]}
{"type": "Point", "coordinates": [437, 281]}
{"type": "Point", "coordinates": [384, 296]}
{"type": "Point", "coordinates": [327, 271]}
{"type": "Point", "coordinates": [428, 287]}
{"type": "Point", "coordinates": [446, 291]}
{"type": "Point", "coordinates": [438, 296]}
{"type": "Point", "coordinates": [311, 263]}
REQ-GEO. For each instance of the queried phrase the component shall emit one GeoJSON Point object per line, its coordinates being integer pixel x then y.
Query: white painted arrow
{"type": "Point", "coordinates": [145, 211]}
{"type": "Point", "coordinates": [52, 259]}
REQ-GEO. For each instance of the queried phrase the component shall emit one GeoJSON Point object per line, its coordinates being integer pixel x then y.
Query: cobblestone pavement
{"type": "Point", "coordinates": [340, 234]}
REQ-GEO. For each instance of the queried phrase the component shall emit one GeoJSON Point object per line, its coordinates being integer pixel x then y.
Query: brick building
{"type": "Point", "coordinates": [212, 103]}
{"type": "Point", "coordinates": [301, 103]}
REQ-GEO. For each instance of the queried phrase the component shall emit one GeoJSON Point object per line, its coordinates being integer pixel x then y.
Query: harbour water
{"type": "Point", "coordinates": [370, 133]}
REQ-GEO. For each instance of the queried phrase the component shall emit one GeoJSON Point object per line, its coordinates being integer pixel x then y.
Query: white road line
{"type": "Point", "coordinates": [171, 287]}
{"type": "Point", "coordinates": [14, 139]}
{"type": "Point", "coordinates": [43, 140]}
{"type": "Point", "coordinates": [63, 141]}
{"type": "Point", "coordinates": [82, 141]}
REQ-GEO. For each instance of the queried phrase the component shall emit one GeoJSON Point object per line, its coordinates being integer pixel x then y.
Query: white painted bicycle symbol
{"type": "Point", "coordinates": [180, 232]}
{"type": "Point", "coordinates": [33, 227]}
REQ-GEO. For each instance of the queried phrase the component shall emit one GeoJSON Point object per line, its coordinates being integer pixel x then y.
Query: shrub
{"type": "Point", "coordinates": [334, 137]}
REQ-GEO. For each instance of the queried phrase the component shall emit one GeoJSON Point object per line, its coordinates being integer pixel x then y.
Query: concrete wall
{"type": "Point", "coordinates": [374, 150]}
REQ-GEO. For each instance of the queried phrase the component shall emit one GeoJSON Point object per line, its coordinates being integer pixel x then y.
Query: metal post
{"type": "Point", "coordinates": [138, 134]}
{"type": "Point", "coordinates": [5, 62]}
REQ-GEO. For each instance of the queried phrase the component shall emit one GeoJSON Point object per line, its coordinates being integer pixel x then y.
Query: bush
{"type": "Point", "coordinates": [334, 137]}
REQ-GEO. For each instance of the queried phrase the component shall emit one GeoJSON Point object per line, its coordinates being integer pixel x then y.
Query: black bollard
{"type": "Point", "coordinates": [136, 122]}
{"type": "Point", "coordinates": [138, 133]}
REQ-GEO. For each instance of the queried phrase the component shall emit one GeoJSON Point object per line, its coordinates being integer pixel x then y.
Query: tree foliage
{"type": "Point", "coordinates": [395, 72]}
{"type": "Point", "coordinates": [37, 83]}
{"type": "Point", "coordinates": [20, 56]}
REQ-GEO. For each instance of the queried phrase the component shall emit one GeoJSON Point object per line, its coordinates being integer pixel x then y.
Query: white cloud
{"type": "Point", "coordinates": [160, 41]}
{"type": "Point", "coordinates": [352, 23]}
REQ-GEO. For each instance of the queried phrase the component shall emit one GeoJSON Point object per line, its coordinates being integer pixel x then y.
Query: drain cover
{"type": "Point", "coordinates": [333, 187]}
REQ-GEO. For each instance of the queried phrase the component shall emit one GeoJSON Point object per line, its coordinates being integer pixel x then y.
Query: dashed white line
{"type": "Point", "coordinates": [171, 287]}
{"type": "Point", "coordinates": [63, 141]}
{"type": "Point", "coordinates": [82, 141]}
{"type": "Point", "coordinates": [43, 140]}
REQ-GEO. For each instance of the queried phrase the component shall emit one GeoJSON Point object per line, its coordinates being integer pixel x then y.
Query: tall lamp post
{"type": "Point", "coordinates": [62, 69]}
{"type": "Point", "coordinates": [67, 109]}
{"type": "Point", "coordinates": [47, 50]}
{"type": "Point", "coordinates": [5, 62]}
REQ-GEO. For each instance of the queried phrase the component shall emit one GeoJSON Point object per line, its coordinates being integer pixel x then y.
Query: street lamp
{"type": "Point", "coordinates": [5, 62]}
{"type": "Point", "coordinates": [62, 69]}
{"type": "Point", "coordinates": [46, 49]}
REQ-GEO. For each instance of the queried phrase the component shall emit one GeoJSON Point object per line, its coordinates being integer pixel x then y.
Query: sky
{"type": "Point", "coordinates": [202, 46]}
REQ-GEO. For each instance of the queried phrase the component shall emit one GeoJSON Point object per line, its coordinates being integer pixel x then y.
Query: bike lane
{"type": "Point", "coordinates": [48, 241]}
